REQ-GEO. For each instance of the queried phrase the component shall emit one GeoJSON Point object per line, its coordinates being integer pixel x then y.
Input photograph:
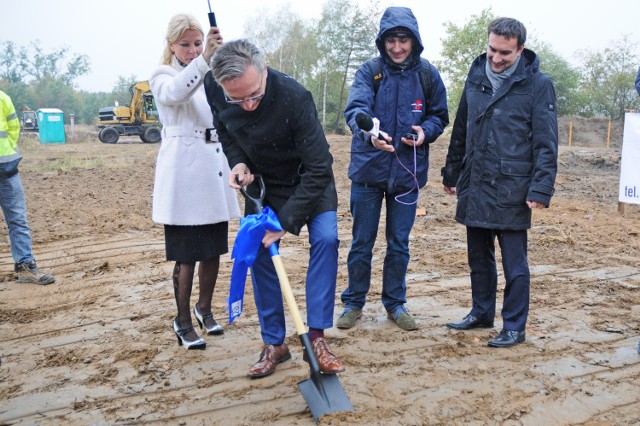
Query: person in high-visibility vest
{"type": "Point", "coordinates": [12, 199]}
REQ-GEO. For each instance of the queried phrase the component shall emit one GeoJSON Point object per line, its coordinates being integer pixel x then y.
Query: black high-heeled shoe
{"type": "Point", "coordinates": [213, 330]}
{"type": "Point", "coordinates": [181, 333]}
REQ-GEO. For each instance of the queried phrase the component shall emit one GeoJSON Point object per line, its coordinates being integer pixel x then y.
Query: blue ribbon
{"type": "Point", "coordinates": [245, 250]}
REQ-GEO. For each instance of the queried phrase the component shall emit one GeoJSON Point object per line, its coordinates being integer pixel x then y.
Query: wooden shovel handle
{"type": "Point", "coordinates": [288, 295]}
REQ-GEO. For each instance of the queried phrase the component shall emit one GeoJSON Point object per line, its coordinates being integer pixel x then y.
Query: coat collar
{"type": "Point", "coordinates": [528, 65]}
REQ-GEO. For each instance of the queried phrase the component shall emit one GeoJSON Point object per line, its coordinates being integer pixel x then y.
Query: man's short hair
{"type": "Point", "coordinates": [508, 28]}
{"type": "Point", "coordinates": [233, 58]}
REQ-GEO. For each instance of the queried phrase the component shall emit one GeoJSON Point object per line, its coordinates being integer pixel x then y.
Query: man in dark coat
{"type": "Point", "coordinates": [501, 164]}
{"type": "Point", "coordinates": [268, 125]}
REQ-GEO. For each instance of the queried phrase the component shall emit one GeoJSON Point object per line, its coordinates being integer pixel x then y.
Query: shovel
{"type": "Point", "coordinates": [323, 392]}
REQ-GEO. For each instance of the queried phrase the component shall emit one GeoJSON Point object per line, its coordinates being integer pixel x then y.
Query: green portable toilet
{"type": "Point", "coordinates": [51, 125]}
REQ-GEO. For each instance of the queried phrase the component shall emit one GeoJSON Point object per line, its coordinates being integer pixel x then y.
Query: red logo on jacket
{"type": "Point", "coordinates": [417, 106]}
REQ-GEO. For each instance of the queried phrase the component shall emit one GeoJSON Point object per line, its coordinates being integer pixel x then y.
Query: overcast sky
{"type": "Point", "coordinates": [125, 37]}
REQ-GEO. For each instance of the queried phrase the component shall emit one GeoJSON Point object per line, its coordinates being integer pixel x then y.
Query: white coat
{"type": "Point", "coordinates": [191, 181]}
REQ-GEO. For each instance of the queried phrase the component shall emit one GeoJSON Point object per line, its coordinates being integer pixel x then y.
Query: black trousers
{"type": "Point", "coordinates": [484, 275]}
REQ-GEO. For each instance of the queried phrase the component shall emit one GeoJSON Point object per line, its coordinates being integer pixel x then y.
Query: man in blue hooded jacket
{"type": "Point", "coordinates": [393, 168]}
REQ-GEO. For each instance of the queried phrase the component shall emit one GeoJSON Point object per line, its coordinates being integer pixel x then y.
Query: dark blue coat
{"type": "Point", "coordinates": [399, 104]}
{"type": "Point", "coordinates": [504, 147]}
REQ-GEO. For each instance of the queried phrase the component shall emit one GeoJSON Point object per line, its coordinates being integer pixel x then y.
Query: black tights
{"type": "Point", "coordinates": [183, 282]}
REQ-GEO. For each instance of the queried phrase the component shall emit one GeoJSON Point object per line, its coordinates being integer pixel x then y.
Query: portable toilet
{"type": "Point", "coordinates": [51, 125]}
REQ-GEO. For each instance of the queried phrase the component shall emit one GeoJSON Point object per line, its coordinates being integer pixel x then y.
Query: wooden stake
{"type": "Point", "coordinates": [570, 131]}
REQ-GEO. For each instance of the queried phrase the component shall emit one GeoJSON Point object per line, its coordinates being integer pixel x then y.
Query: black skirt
{"type": "Point", "coordinates": [196, 243]}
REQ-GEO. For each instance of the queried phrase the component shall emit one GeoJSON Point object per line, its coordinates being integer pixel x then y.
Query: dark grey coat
{"type": "Point", "coordinates": [504, 147]}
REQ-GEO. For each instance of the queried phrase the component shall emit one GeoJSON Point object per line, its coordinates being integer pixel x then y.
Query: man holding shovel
{"type": "Point", "coordinates": [268, 125]}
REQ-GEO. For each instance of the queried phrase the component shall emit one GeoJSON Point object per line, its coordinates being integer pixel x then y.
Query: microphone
{"type": "Point", "coordinates": [370, 126]}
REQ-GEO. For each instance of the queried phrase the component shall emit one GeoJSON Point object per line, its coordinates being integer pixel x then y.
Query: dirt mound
{"type": "Point", "coordinates": [590, 132]}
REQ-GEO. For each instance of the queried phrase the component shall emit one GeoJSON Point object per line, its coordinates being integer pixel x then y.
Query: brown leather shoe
{"type": "Point", "coordinates": [270, 357]}
{"type": "Point", "coordinates": [329, 363]}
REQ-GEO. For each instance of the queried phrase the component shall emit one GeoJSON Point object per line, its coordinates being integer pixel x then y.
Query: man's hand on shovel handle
{"type": "Point", "coordinates": [271, 237]}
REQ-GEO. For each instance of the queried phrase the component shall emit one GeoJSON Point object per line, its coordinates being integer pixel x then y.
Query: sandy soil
{"type": "Point", "coordinates": [97, 346]}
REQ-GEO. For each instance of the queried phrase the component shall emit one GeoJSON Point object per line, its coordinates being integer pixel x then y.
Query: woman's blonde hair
{"type": "Point", "coordinates": [176, 28]}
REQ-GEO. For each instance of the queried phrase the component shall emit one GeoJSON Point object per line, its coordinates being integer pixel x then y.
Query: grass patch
{"type": "Point", "coordinates": [28, 142]}
{"type": "Point", "coordinates": [65, 165]}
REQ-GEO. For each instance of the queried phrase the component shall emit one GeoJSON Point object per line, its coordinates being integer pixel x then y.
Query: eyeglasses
{"type": "Point", "coordinates": [249, 99]}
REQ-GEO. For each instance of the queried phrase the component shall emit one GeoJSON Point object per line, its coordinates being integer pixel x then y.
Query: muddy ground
{"type": "Point", "coordinates": [96, 347]}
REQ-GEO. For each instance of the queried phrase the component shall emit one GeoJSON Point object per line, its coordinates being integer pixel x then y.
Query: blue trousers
{"type": "Point", "coordinates": [484, 275]}
{"type": "Point", "coordinates": [14, 208]}
{"type": "Point", "coordinates": [320, 283]}
{"type": "Point", "coordinates": [365, 205]}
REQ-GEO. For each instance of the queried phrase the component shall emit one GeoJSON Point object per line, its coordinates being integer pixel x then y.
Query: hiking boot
{"type": "Point", "coordinates": [348, 317]}
{"type": "Point", "coordinates": [403, 319]}
{"type": "Point", "coordinates": [29, 273]}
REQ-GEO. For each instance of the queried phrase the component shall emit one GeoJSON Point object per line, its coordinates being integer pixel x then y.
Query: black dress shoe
{"type": "Point", "coordinates": [507, 338]}
{"type": "Point", "coordinates": [470, 322]}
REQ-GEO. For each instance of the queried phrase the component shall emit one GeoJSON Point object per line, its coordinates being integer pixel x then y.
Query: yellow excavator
{"type": "Point", "coordinates": [140, 118]}
{"type": "Point", "coordinates": [29, 121]}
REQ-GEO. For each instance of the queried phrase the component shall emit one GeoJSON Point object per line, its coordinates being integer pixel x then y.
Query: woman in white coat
{"type": "Point", "coordinates": [191, 197]}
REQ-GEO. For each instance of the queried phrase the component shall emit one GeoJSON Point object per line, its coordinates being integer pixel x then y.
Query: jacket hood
{"type": "Point", "coordinates": [532, 61]}
{"type": "Point", "coordinates": [399, 17]}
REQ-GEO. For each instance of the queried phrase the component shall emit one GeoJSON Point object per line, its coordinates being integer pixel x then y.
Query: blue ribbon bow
{"type": "Point", "coordinates": [245, 250]}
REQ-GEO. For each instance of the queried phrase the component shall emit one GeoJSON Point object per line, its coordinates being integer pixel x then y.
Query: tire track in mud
{"type": "Point", "coordinates": [211, 399]}
{"type": "Point", "coordinates": [131, 370]}
{"type": "Point", "coordinates": [40, 341]}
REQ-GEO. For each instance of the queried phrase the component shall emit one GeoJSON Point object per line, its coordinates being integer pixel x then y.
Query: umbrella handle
{"type": "Point", "coordinates": [212, 16]}
{"type": "Point", "coordinates": [286, 290]}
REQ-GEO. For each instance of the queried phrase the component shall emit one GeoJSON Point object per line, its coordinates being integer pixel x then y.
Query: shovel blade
{"type": "Point", "coordinates": [324, 395]}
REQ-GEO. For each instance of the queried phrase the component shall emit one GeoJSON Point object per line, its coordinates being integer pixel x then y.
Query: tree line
{"type": "Point", "coordinates": [324, 53]}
